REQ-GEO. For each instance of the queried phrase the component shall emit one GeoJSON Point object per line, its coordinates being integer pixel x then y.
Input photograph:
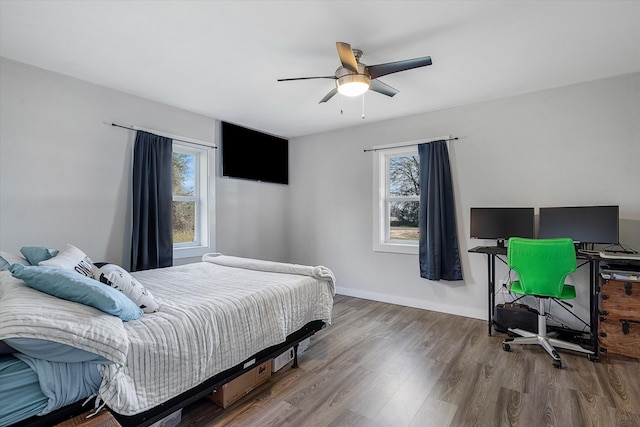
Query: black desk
{"type": "Point", "coordinates": [593, 261]}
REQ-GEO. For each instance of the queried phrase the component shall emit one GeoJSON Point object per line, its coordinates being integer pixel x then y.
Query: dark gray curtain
{"type": "Point", "coordinates": [152, 241]}
{"type": "Point", "coordinates": [439, 255]}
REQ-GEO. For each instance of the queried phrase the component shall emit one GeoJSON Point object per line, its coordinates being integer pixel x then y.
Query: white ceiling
{"type": "Point", "coordinates": [223, 58]}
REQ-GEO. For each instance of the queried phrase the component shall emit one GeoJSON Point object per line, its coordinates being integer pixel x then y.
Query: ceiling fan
{"type": "Point", "coordinates": [354, 78]}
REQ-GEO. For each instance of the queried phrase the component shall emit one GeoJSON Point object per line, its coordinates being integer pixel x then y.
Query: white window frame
{"type": "Point", "coordinates": [204, 198]}
{"type": "Point", "coordinates": [382, 241]}
{"type": "Point", "coordinates": [381, 198]}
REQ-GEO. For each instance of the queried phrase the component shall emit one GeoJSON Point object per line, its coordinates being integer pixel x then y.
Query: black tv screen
{"type": "Point", "coordinates": [583, 224]}
{"type": "Point", "coordinates": [249, 154]}
{"type": "Point", "coordinates": [502, 223]}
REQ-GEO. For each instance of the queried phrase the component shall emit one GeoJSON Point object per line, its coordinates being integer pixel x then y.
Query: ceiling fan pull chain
{"type": "Point", "coordinates": [363, 106]}
{"type": "Point", "coordinates": [342, 104]}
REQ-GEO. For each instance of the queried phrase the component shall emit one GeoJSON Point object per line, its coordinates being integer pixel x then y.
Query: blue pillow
{"type": "Point", "coordinates": [35, 254]}
{"type": "Point", "coordinates": [4, 264]}
{"type": "Point", "coordinates": [72, 286]}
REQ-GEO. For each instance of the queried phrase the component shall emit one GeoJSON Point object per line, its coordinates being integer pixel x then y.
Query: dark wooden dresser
{"type": "Point", "coordinates": [619, 326]}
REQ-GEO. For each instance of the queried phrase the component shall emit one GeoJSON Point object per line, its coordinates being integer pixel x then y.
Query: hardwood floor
{"type": "Point", "coordinates": [386, 365]}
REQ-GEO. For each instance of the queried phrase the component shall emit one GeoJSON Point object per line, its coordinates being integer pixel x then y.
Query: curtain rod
{"type": "Point", "coordinates": [408, 145]}
{"type": "Point", "coordinates": [175, 139]}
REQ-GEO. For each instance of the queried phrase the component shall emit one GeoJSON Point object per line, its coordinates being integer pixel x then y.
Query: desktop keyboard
{"type": "Point", "coordinates": [619, 256]}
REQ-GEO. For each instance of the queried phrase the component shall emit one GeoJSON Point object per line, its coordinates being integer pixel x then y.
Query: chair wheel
{"type": "Point", "coordinates": [506, 347]}
{"type": "Point", "coordinates": [557, 364]}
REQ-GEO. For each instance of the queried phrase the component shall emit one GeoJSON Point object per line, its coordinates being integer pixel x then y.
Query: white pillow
{"type": "Point", "coordinates": [72, 258]}
{"type": "Point", "coordinates": [118, 278]}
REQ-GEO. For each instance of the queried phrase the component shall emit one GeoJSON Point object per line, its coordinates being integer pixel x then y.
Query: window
{"type": "Point", "coordinates": [191, 201]}
{"type": "Point", "coordinates": [398, 200]}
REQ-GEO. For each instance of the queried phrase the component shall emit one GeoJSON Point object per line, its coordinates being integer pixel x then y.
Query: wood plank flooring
{"type": "Point", "coordinates": [386, 365]}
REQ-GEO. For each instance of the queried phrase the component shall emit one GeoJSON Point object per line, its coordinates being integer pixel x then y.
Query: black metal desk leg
{"type": "Point", "coordinates": [491, 277]}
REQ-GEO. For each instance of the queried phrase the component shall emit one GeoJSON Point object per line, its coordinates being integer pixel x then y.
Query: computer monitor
{"type": "Point", "coordinates": [502, 223]}
{"type": "Point", "coordinates": [583, 224]}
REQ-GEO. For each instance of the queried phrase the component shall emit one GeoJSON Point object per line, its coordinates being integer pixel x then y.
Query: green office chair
{"type": "Point", "coordinates": [542, 266]}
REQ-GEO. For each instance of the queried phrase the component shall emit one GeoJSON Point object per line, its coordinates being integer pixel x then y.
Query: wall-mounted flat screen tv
{"type": "Point", "coordinates": [502, 223]}
{"type": "Point", "coordinates": [584, 224]}
{"type": "Point", "coordinates": [254, 155]}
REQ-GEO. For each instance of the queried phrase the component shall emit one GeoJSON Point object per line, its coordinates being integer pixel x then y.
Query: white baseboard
{"type": "Point", "coordinates": [473, 313]}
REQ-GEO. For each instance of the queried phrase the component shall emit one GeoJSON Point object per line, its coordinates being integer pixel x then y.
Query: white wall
{"type": "Point", "coordinates": [65, 175]}
{"type": "Point", "coordinates": [252, 219]}
{"type": "Point", "coordinates": [578, 145]}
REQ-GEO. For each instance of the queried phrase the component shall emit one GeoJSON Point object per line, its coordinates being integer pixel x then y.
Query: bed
{"type": "Point", "coordinates": [216, 319]}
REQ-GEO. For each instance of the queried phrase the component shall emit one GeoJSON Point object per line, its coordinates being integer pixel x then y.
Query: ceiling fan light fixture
{"type": "Point", "coordinates": [353, 78]}
{"type": "Point", "coordinates": [353, 84]}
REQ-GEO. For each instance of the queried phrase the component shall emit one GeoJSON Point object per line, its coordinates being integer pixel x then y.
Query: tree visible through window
{"type": "Point", "coordinates": [185, 197]}
{"type": "Point", "coordinates": [403, 197]}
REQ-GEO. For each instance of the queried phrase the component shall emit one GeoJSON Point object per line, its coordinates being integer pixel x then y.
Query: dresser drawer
{"type": "Point", "coordinates": [619, 336]}
{"type": "Point", "coordinates": [620, 299]}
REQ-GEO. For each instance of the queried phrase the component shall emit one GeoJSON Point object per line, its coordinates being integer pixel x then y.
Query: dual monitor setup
{"type": "Point", "coordinates": [586, 225]}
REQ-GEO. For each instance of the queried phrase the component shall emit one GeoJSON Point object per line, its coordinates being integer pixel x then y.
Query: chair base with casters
{"type": "Point", "coordinates": [548, 343]}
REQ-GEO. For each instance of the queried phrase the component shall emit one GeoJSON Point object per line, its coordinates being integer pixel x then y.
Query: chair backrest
{"type": "Point", "coordinates": [542, 264]}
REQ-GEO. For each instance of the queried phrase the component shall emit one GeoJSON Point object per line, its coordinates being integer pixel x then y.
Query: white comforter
{"type": "Point", "coordinates": [213, 315]}
{"type": "Point", "coordinates": [211, 318]}
{"type": "Point", "coordinates": [28, 313]}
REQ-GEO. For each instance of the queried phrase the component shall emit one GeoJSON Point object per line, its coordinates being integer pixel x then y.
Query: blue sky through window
{"type": "Point", "coordinates": [189, 179]}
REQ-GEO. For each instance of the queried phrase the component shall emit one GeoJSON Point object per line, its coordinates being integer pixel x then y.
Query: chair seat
{"type": "Point", "coordinates": [568, 291]}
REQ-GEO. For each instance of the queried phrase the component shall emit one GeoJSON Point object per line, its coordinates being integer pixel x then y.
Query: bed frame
{"type": "Point", "coordinates": [167, 408]}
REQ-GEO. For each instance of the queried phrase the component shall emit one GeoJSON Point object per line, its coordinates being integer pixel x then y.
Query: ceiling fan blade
{"type": "Point", "coordinates": [347, 57]}
{"type": "Point", "coordinates": [329, 95]}
{"type": "Point", "coordinates": [383, 88]}
{"type": "Point", "coordinates": [393, 67]}
{"type": "Point", "coordinates": [307, 78]}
